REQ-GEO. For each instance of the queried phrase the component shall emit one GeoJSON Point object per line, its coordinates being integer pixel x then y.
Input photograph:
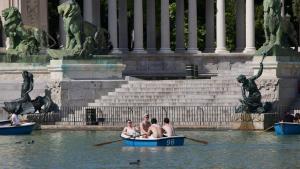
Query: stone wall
{"type": "Point", "coordinates": [173, 65]}
{"type": "Point", "coordinates": [81, 92]}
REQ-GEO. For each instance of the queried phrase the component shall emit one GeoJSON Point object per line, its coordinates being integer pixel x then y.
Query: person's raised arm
{"type": "Point", "coordinates": [259, 73]}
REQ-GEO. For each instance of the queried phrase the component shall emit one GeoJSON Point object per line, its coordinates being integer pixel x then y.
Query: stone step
{"type": "Point", "coordinates": [172, 94]}
{"type": "Point", "coordinates": [164, 104]}
{"type": "Point", "coordinates": [200, 89]}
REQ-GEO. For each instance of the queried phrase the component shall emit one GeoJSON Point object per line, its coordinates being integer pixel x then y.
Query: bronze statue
{"type": "Point", "coordinates": [24, 104]}
{"type": "Point", "coordinates": [279, 31]}
{"type": "Point", "coordinates": [251, 103]}
{"type": "Point", "coordinates": [23, 39]}
{"type": "Point", "coordinates": [83, 39]}
{"type": "Point", "coordinates": [272, 18]}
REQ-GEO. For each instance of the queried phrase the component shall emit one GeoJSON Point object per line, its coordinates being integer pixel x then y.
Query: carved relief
{"type": "Point", "coordinates": [268, 89]}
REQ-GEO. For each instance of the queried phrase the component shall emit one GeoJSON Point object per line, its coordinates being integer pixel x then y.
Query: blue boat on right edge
{"type": "Point", "coordinates": [287, 128]}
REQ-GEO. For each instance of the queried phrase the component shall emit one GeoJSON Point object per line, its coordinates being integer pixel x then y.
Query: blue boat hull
{"type": "Point", "coordinates": [285, 128]}
{"type": "Point", "coordinates": [17, 130]}
{"type": "Point", "coordinates": [144, 142]}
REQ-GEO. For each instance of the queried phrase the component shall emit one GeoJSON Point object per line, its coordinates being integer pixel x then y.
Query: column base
{"type": "Point", "coordinates": [249, 50]}
{"type": "Point", "coordinates": [139, 50]}
{"type": "Point", "coordinates": [165, 50]}
{"type": "Point", "coordinates": [221, 50]}
{"type": "Point", "coordinates": [193, 50]}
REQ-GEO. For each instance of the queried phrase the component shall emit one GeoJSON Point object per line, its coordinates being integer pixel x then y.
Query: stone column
{"type": "Point", "coordinates": [192, 27]}
{"type": "Point", "coordinates": [151, 32]}
{"type": "Point", "coordinates": [138, 27]}
{"type": "Point", "coordinates": [250, 27]}
{"type": "Point", "coordinates": [113, 25]}
{"type": "Point", "coordinates": [165, 27]}
{"type": "Point", "coordinates": [282, 8]}
{"type": "Point", "coordinates": [91, 11]}
{"type": "Point", "coordinates": [180, 26]}
{"type": "Point", "coordinates": [240, 25]}
{"type": "Point", "coordinates": [209, 25]}
{"type": "Point", "coordinates": [221, 27]}
{"type": "Point", "coordinates": [123, 27]}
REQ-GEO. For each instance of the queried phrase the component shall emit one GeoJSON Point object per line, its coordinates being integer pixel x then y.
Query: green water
{"type": "Point", "coordinates": [74, 149]}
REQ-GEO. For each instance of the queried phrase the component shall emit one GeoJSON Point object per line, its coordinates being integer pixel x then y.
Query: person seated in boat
{"type": "Point", "coordinates": [297, 118]}
{"type": "Point", "coordinates": [288, 117]}
{"type": "Point", "coordinates": [15, 120]}
{"type": "Point", "coordinates": [130, 130]}
{"type": "Point", "coordinates": [168, 128]}
{"type": "Point", "coordinates": [155, 131]}
{"type": "Point", "coordinates": [144, 125]}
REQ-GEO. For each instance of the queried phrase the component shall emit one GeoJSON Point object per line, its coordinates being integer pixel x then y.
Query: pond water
{"type": "Point", "coordinates": [75, 149]}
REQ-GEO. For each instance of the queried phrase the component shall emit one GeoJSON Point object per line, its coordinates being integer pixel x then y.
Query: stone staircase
{"type": "Point", "coordinates": [219, 91]}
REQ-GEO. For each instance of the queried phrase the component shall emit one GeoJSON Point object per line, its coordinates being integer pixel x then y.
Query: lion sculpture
{"type": "Point", "coordinates": [278, 30]}
{"type": "Point", "coordinates": [22, 39]}
{"type": "Point", "coordinates": [82, 37]}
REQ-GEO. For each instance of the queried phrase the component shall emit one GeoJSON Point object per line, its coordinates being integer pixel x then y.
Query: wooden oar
{"type": "Point", "coordinates": [196, 140]}
{"type": "Point", "coordinates": [269, 128]}
{"type": "Point", "coordinates": [109, 142]}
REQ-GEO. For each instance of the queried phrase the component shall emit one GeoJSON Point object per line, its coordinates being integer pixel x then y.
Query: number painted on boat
{"type": "Point", "coordinates": [170, 142]}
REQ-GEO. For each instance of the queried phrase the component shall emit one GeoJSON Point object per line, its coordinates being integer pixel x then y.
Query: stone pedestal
{"type": "Point", "coordinates": [281, 74]}
{"type": "Point", "coordinates": [100, 67]}
{"type": "Point", "coordinates": [253, 121]}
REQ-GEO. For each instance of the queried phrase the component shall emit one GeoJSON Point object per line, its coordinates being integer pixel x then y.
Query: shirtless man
{"type": "Point", "coordinates": [130, 130]}
{"type": "Point", "coordinates": [144, 125]}
{"type": "Point", "coordinates": [168, 128]}
{"type": "Point", "coordinates": [155, 131]}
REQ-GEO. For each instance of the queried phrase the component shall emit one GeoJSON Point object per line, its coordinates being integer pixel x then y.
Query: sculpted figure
{"type": "Point", "coordinates": [288, 33]}
{"type": "Point", "coordinates": [272, 12]}
{"type": "Point", "coordinates": [83, 39]}
{"type": "Point", "coordinates": [24, 104]}
{"type": "Point", "coordinates": [23, 40]}
{"type": "Point", "coordinates": [251, 102]}
{"type": "Point", "coordinates": [278, 30]}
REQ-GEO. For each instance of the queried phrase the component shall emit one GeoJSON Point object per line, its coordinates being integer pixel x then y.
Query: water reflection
{"type": "Point", "coordinates": [148, 149]}
{"type": "Point", "coordinates": [226, 149]}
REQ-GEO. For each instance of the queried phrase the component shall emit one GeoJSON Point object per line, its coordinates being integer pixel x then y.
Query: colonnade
{"type": "Point", "coordinates": [215, 32]}
{"type": "Point", "coordinates": [215, 25]}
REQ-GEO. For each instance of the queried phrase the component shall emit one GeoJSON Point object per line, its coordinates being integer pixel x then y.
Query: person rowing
{"type": "Point", "coordinates": [130, 130]}
{"type": "Point", "coordinates": [155, 131]}
{"type": "Point", "coordinates": [168, 128]}
{"type": "Point", "coordinates": [144, 125]}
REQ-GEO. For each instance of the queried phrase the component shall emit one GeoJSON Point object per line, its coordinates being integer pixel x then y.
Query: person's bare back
{"type": "Point", "coordinates": [169, 130]}
{"type": "Point", "coordinates": [155, 131]}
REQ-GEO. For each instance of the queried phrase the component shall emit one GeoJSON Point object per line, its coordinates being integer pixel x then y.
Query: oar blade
{"type": "Point", "coordinates": [196, 140]}
{"type": "Point", "coordinates": [109, 142]}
